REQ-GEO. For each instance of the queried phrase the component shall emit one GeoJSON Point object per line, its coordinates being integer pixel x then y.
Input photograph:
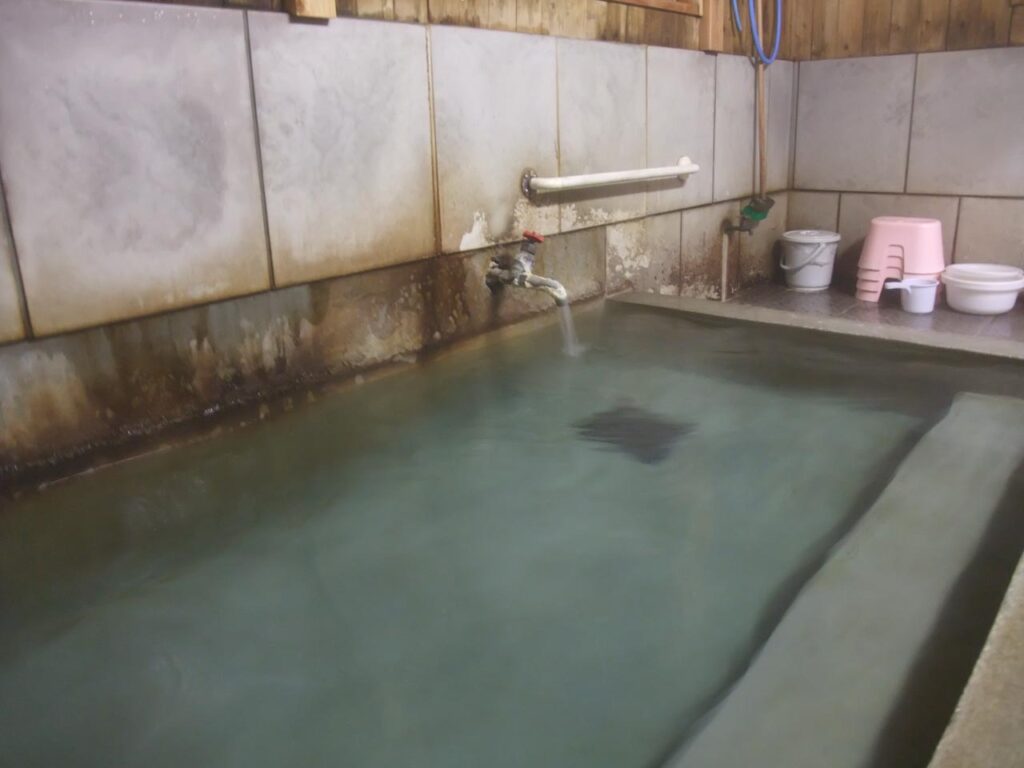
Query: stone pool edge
{"type": "Point", "coordinates": [931, 339]}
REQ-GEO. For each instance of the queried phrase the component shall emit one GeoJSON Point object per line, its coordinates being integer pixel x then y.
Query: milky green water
{"type": "Point", "coordinates": [436, 569]}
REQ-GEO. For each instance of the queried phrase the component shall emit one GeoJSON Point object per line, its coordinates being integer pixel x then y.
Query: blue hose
{"type": "Point", "coordinates": [757, 35]}
{"type": "Point", "coordinates": [736, 18]}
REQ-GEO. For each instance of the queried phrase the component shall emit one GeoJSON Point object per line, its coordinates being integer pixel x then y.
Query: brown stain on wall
{"type": "Point", "coordinates": [69, 395]}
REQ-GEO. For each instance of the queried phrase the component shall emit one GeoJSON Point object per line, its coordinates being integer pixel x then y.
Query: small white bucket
{"type": "Point", "coordinates": [808, 256]}
{"type": "Point", "coordinates": [917, 294]}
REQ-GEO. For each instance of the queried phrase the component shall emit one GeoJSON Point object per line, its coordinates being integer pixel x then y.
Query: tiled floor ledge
{"type": "Point", "coordinates": [839, 313]}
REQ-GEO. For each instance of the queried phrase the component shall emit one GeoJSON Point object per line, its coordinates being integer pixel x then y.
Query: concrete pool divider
{"type": "Point", "coordinates": [822, 687]}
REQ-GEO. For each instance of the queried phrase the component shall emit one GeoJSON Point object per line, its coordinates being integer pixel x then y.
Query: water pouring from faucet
{"type": "Point", "coordinates": [518, 272]}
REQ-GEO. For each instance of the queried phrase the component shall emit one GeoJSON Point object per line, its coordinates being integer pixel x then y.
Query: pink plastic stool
{"type": "Point", "coordinates": [899, 247]}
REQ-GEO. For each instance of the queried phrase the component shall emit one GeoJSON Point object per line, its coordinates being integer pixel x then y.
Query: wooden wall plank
{"type": "Point", "coordinates": [636, 25]}
{"type": "Point", "coordinates": [376, 9]}
{"type": "Point", "coordinates": [501, 14]}
{"type": "Point", "coordinates": [812, 29]}
{"type": "Point", "coordinates": [851, 27]}
{"type": "Point", "coordinates": [531, 16]}
{"type": "Point", "coordinates": [978, 24]}
{"type": "Point", "coordinates": [796, 39]}
{"type": "Point", "coordinates": [932, 26]}
{"type": "Point", "coordinates": [1017, 26]}
{"type": "Point", "coordinates": [411, 10]}
{"type": "Point", "coordinates": [312, 9]}
{"type": "Point", "coordinates": [877, 27]}
{"type": "Point", "coordinates": [468, 13]}
{"type": "Point", "coordinates": [905, 20]}
{"type": "Point", "coordinates": [825, 30]}
{"type": "Point", "coordinates": [673, 30]}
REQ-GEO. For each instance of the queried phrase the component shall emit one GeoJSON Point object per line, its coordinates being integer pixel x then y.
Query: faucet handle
{"type": "Point", "coordinates": [533, 237]}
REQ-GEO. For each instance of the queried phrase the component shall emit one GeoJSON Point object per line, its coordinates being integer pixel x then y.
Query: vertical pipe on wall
{"type": "Point", "coordinates": [762, 112]}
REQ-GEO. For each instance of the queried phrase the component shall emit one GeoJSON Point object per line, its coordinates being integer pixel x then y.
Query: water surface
{"type": "Point", "coordinates": [507, 557]}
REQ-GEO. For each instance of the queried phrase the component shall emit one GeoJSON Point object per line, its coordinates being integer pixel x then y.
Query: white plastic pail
{"type": "Point", "coordinates": [808, 256]}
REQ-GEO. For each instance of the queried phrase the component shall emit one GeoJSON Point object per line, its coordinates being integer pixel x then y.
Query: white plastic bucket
{"type": "Point", "coordinates": [808, 256]}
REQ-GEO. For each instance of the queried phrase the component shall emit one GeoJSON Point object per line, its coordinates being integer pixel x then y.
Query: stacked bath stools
{"type": "Point", "coordinates": [899, 247]}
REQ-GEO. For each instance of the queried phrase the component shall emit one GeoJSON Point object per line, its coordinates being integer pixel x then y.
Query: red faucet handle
{"type": "Point", "coordinates": [533, 237]}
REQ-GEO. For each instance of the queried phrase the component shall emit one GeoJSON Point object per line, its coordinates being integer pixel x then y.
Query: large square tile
{"type": "Point", "coordinates": [601, 114]}
{"type": "Point", "coordinates": [853, 123]}
{"type": "Point", "coordinates": [990, 230]}
{"type": "Point", "coordinates": [129, 158]}
{"type": "Point", "coordinates": [968, 133]}
{"type": "Point", "coordinates": [680, 123]}
{"type": "Point", "coordinates": [643, 255]}
{"type": "Point", "coordinates": [495, 108]}
{"type": "Point", "coordinates": [11, 326]}
{"type": "Point", "coordinates": [344, 122]}
{"type": "Point", "coordinates": [780, 79]}
{"type": "Point", "coordinates": [813, 210]}
{"type": "Point", "coordinates": [735, 127]}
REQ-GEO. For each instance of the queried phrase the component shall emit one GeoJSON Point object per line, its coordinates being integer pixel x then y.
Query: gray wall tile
{"type": "Point", "coordinates": [129, 157]}
{"type": "Point", "coordinates": [345, 131]}
{"type": "Point", "coordinates": [991, 230]}
{"type": "Point", "coordinates": [11, 326]}
{"type": "Point", "coordinates": [735, 127]}
{"type": "Point", "coordinates": [968, 135]}
{"type": "Point", "coordinates": [496, 115]}
{"type": "Point", "coordinates": [643, 255]}
{"type": "Point", "coordinates": [680, 123]}
{"type": "Point", "coordinates": [854, 123]}
{"type": "Point", "coordinates": [781, 94]}
{"type": "Point", "coordinates": [813, 210]}
{"type": "Point", "coordinates": [601, 116]}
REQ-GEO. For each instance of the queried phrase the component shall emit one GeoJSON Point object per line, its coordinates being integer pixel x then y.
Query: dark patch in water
{"type": "Point", "coordinates": [646, 437]}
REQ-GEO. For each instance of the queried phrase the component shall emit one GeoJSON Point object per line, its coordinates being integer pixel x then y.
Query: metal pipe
{"type": "Point", "coordinates": [533, 184]}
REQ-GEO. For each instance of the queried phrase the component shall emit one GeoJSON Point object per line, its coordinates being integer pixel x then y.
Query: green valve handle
{"type": "Point", "coordinates": [754, 213]}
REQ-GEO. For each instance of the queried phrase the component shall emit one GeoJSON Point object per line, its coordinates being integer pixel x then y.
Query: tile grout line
{"type": "Point", "coordinates": [956, 230]}
{"type": "Point", "coordinates": [435, 174]}
{"type": "Point", "coordinates": [714, 130]}
{"type": "Point", "coordinates": [795, 120]}
{"type": "Point", "coordinates": [26, 318]}
{"type": "Point", "coordinates": [910, 128]}
{"type": "Point", "coordinates": [259, 151]}
{"type": "Point", "coordinates": [558, 122]}
{"type": "Point", "coordinates": [832, 191]}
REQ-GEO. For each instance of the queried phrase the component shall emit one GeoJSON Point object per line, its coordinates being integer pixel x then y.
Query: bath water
{"type": "Point", "coordinates": [506, 557]}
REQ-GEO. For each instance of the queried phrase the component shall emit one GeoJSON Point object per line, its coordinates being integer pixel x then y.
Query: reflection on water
{"type": "Point", "coordinates": [435, 570]}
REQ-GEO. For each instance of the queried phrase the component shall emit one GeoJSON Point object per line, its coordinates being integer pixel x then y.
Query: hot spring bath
{"type": "Point", "coordinates": [506, 557]}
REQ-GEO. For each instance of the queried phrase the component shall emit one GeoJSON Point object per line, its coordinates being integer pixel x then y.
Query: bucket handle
{"type": "Point", "coordinates": [814, 254]}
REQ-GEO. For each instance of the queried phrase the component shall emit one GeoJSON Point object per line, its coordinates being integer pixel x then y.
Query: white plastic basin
{"type": "Point", "coordinates": [982, 289]}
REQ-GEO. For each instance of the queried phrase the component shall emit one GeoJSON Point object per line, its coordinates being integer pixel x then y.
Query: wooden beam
{"type": "Point", "coordinates": [311, 9]}
{"type": "Point", "coordinates": [712, 28]}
